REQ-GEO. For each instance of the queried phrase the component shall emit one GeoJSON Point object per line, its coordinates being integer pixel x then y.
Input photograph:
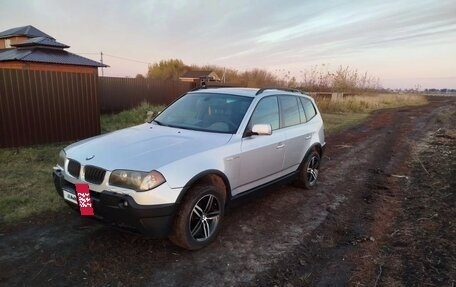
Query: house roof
{"type": "Point", "coordinates": [28, 31]}
{"type": "Point", "coordinates": [41, 41]}
{"type": "Point", "coordinates": [41, 48]}
{"type": "Point", "coordinates": [47, 56]}
{"type": "Point", "coordinates": [196, 74]}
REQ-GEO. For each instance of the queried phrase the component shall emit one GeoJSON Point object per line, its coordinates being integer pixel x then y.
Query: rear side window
{"type": "Point", "coordinates": [309, 108]}
{"type": "Point", "coordinates": [289, 111]}
{"type": "Point", "coordinates": [302, 115]}
{"type": "Point", "coordinates": [266, 112]}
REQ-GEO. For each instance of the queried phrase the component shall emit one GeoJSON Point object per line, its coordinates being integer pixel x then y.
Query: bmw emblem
{"type": "Point", "coordinates": [90, 157]}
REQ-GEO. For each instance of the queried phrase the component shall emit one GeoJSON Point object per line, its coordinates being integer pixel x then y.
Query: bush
{"type": "Point", "coordinates": [124, 119]}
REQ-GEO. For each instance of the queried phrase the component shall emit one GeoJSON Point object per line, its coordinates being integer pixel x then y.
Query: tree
{"type": "Point", "coordinates": [259, 78]}
{"type": "Point", "coordinates": [167, 69]}
{"type": "Point", "coordinates": [139, 76]}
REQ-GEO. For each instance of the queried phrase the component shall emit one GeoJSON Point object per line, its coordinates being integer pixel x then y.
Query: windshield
{"type": "Point", "coordinates": [219, 113]}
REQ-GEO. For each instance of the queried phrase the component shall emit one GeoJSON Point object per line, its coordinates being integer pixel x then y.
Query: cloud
{"type": "Point", "coordinates": [247, 34]}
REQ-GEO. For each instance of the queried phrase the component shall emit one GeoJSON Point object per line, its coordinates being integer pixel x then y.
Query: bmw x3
{"type": "Point", "coordinates": [175, 175]}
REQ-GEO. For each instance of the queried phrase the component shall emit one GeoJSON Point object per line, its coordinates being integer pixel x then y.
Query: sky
{"type": "Point", "coordinates": [406, 44]}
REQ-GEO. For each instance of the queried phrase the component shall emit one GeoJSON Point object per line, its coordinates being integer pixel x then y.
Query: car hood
{"type": "Point", "coordinates": [145, 147]}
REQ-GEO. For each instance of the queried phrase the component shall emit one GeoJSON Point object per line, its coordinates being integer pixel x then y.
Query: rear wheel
{"type": "Point", "coordinates": [309, 170]}
{"type": "Point", "coordinates": [198, 221]}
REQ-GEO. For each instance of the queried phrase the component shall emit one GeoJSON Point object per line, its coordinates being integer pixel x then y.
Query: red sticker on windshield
{"type": "Point", "coordinates": [84, 200]}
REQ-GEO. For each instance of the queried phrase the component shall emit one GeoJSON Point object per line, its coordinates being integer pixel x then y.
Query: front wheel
{"type": "Point", "coordinates": [198, 221]}
{"type": "Point", "coordinates": [309, 169]}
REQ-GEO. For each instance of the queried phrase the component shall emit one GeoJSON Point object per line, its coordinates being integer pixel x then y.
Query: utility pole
{"type": "Point", "coordinates": [101, 60]}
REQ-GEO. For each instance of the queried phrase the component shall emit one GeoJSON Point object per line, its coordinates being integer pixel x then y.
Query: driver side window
{"type": "Point", "coordinates": [266, 112]}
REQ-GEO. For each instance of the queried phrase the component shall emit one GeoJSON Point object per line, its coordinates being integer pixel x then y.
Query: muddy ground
{"type": "Point", "coordinates": [383, 214]}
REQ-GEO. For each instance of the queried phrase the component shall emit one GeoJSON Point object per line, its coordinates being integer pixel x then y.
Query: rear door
{"type": "Point", "coordinates": [298, 133]}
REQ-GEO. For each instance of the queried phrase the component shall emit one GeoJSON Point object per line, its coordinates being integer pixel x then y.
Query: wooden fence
{"type": "Point", "coordinates": [38, 107]}
{"type": "Point", "coordinates": [117, 94]}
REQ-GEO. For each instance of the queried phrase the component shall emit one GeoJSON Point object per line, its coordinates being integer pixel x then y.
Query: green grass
{"type": "Point", "coordinates": [127, 118]}
{"type": "Point", "coordinates": [344, 113]}
{"type": "Point", "coordinates": [368, 103]}
{"type": "Point", "coordinates": [338, 122]}
{"type": "Point", "coordinates": [26, 187]}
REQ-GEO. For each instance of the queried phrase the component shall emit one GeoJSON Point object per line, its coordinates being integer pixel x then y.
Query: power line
{"type": "Point", "coordinates": [117, 57]}
{"type": "Point", "coordinates": [126, 59]}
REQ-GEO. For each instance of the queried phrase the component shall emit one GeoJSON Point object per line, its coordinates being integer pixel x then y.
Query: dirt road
{"type": "Point", "coordinates": [359, 226]}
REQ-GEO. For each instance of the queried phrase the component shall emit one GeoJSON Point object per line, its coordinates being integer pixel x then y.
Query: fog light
{"type": "Point", "coordinates": [125, 203]}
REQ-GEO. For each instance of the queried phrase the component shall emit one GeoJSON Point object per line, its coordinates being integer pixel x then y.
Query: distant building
{"type": "Point", "coordinates": [27, 48]}
{"type": "Point", "coordinates": [199, 76]}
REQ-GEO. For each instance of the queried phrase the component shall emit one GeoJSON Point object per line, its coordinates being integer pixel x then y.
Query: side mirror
{"type": "Point", "coordinates": [262, 129]}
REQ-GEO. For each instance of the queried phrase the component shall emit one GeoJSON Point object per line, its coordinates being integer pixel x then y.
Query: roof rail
{"type": "Point", "coordinates": [274, 88]}
{"type": "Point", "coordinates": [198, 88]}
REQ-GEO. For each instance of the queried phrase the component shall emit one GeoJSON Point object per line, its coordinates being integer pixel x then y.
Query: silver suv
{"type": "Point", "coordinates": [175, 175]}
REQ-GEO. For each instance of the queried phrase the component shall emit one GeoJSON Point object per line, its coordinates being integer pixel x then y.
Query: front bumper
{"type": "Point", "coordinates": [122, 211]}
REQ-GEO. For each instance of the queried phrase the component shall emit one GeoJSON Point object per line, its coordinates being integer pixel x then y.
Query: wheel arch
{"type": "Point", "coordinates": [213, 177]}
{"type": "Point", "coordinates": [315, 147]}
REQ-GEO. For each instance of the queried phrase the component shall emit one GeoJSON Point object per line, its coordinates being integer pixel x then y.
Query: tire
{"type": "Point", "coordinates": [308, 173]}
{"type": "Point", "coordinates": [199, 218]}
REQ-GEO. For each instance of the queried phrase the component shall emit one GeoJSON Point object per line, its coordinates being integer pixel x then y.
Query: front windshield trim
{"type": "Point", "coordinates": [158, 122]}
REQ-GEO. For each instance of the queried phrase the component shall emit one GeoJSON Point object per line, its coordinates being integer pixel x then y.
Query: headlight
{"type": "Point", "coordinates": [137, 180]}
{"type": "Point", "coordinates": [62, 157]}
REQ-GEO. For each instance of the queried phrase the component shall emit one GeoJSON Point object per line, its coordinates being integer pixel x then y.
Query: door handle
{"type": "Point", "coordinates": [308, 137]}
{"type": "Point", "coordinates": [280, 145]}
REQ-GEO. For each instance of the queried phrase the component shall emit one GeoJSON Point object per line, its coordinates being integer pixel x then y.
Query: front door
{"type": "Point", "coordinates": [262, 155]}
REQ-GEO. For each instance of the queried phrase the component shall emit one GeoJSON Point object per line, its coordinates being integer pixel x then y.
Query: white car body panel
{"type": "Point", "coordinates": [144, 147]}
{"type": "Point", "coordinates": [261, 151]}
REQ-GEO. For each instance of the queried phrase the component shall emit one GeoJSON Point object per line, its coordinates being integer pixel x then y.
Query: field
{"type": "Point", "coordinates": [344, 113]}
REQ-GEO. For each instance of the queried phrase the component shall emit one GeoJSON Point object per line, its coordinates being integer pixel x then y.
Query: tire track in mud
{"type": "Point", "coordinates": [337, 249]}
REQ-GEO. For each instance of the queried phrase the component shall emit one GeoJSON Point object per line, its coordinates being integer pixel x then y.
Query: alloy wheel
{"type": "Point", "coordinates": [204, 218]}
{"type": "Point", "coordinates": [312, 170]}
